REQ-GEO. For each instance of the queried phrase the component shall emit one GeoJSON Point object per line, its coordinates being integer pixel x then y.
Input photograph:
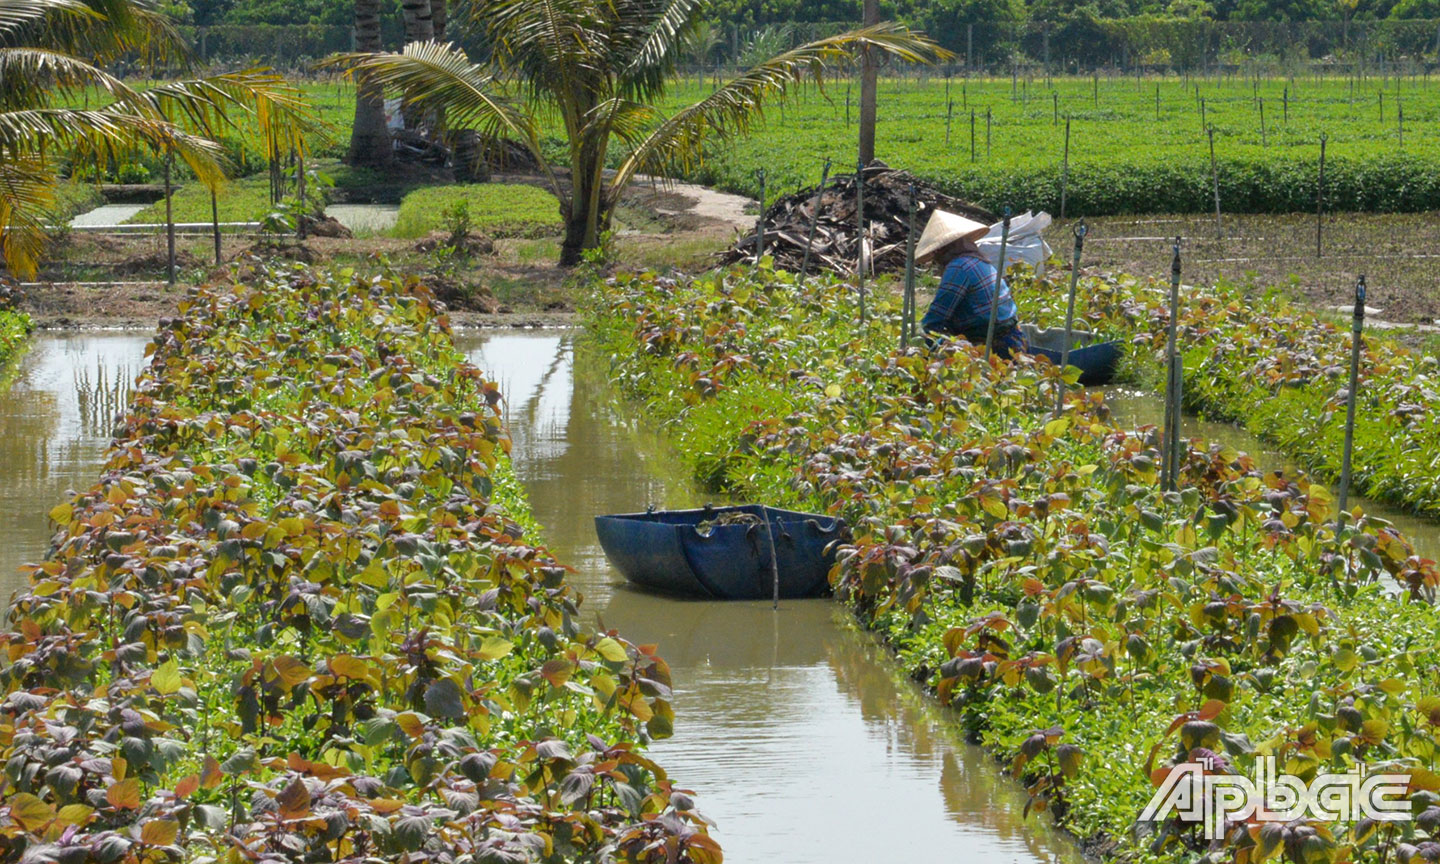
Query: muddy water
{"type": "Point", "coordinates": [1136, 408]}
{"type": "Point", "coordinates": [55, 422]}
{"type": "Point", "coordinates": [800, 743]}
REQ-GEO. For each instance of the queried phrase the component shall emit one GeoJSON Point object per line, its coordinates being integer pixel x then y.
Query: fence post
{"type": "Point", "coordinates": [1320, 199]}
{"type": "Point", "coordinates": [987, 133]}
{"type": "Point", "coordinates": [215, 224]}
{"type": "Point", "coordinates": [1285, 103]}
{"type": "Point", "coordinates": [1204, 124]}
{"type": "Point", "coordinates": [1215, 183]}
{"type": "Point", "coordinates": [949, 117]}
{"type": "Point", "coordinates": [760, 221]}
{"type": "Point", "coordinates": [1357, 325]}
{"type": "Point", "coordinates": [972, 134]}
{"type": "Point", "coordinates": [1263, 141]}
{"type": "Point", "coordinates": [1055, 101]}
{"type": "Point", "coordinates": [1171, 428]}
{"type": "Point", "coordinates": [1157, 100]}
{"type": "Point", "coordinates": [999, 277]}
{"type": "Point", "coordinates": [907, 314]}
{"type": "Point", "coordinates": [814, 218]}
{"type": "Point", "coordinates": [860, 240]}
{"type": "Point", "coordinates": [1080, 231]}
{"type": "Point", "coordinates": [169, 217]}
{"type": "Point", "coordinates": [1065, 170]}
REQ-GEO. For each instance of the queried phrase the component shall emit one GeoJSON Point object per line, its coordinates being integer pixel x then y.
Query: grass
{"type": "Point", "coordinates": [246, 199]}
{"type": "Point", "coordinates": [496, 209]}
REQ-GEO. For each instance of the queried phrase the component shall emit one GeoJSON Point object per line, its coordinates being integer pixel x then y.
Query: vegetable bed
{"type": "Point", "coordinates": [1091, 630]}
{"type": "Point", "coordinates": [1281, 371]}
{"type": "Point", "coordinates": [302, 616]}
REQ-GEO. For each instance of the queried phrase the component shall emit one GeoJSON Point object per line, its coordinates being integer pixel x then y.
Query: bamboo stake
{"type": "Point", "coordinates": [169, 216]}
{"type": "Point", "coordinates": [999, 278]}
{"type": "Point", "coordinates": [1357, 325]}
{"type": "Point", "coordinates": [972, 134]}
{"type": "Point", "coordinates": [1215, 182]}
{"type": "Point", "coordinates": [1080, 231]}
{"type": "Point", "coordinates": [774, 561]}
{"type": "Point", "coordinates": [1065, 170]}
{"type": "Point", "coordinates": [215, 224]}
{"type": "Point", "coordinates": [1320, 199]}
{"type": "Point", "coordinates": [1172, 425]}
{"type": "Point", "coordinates": [860, 227]}
{"type": "Point", "coordinates": [987, 134]}
{"type": "Point", "coordinates": [907, 315]}
{"type": "Point", "coordinates": [760, 221]}
{"type": "Point", "coordinates": [814, 218]}
{"type": "Point", "coordinates": [949, 117]}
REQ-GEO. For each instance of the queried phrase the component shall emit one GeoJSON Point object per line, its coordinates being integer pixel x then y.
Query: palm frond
{"type": "Point", "coordinates": [653, 59]}
{"type": "Point", "coordinates": [33, 75]}
{"type": "Point", "coordinates": [26, 196]}
{"type": "Point", "coordinates": [18, 14]}
{"type": "Point", "coordinates": [676, 144]}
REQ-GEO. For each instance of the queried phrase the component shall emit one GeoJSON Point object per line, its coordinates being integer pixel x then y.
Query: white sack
{"type": "Point", "coordinates": [1025, 243]}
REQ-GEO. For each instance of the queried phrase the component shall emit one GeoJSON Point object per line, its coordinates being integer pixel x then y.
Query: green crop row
{"type": "Point", "coordinates": [1281, 371]}
{"type": "Point", "coordinates": [302, 617]}
{"type": "Point", "coordinates": [1092, 631]}
{"type": "Point", "coordinates": [1136, 145]}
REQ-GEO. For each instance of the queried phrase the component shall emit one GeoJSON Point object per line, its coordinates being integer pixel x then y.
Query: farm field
{"type": "Point", "coordinates": [1125, 156]}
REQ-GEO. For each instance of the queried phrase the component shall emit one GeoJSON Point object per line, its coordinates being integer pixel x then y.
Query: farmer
{"type": "Point", "coordinates": [967, 286]}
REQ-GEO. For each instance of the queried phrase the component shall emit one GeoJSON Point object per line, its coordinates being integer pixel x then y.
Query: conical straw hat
{"type": "Point", "coordinates": [942, 230]}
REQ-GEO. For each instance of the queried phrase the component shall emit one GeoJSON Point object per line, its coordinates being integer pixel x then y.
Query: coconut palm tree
{"type": "Point", "coordinates": [42, 76]}
{"type": "Point", "coordinates": [599, 67]}
{"type": "Point", "coordinates": [369, 136]}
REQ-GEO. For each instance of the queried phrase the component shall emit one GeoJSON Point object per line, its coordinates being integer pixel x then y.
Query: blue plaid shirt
{"type": "Point", "coordinates": [962, 304]}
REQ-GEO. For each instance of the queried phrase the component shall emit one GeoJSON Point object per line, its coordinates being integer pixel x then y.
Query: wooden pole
{"type": "Point", "coordinates": [1215, 182]}
{"type": "Point", "coordinates": [1080, 231]}
{"type": "Point", "coordinates": [814, 218]}
{"type": "Point", "coordinates": [1320, 199]}
{"type": "Point", "coordinates": [1065, 170]}
{"type": "Point", "coordinates": [1172, 420]}
{"type": "Point", "coordinates": [1357, 326]}
{"type": "Point", "coordinates": [774, 561]}
{"type": "Point", "coordinates": [999, 278]}
{"type": "Point", "coordinates": [907, 316]}
{"type": "Point", "coordinates": [169, 216]}
{"type": "Point", "coordinates": [215, 224]}
{"type": "Point", "coordinates": [860, 238]}
{"type": "Point", "coordinates": [760, 221]}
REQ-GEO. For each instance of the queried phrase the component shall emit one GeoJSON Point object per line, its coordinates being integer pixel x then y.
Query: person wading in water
{"type": "Point", "coordinates": [968, 284]}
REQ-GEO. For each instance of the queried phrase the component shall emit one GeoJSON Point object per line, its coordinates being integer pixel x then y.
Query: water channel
{"type": "Point", "coordinates": [791, 727]}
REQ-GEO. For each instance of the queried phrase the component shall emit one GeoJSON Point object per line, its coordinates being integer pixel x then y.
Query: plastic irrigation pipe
{"type": "Point", "coordinates": [814, 218]}
{"type": "Point", "coordinates": [1357, 325]}
{"type": "Point", "coordinates": [999, 278]}
{"type": "Point", "coordinates": [1172, 422]}
{"type": "Point", "coordinates": [1080, 231]}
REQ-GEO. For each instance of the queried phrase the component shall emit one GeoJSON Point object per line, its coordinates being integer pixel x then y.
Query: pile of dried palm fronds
{"type": "Point", "coordinates": [838, 242]}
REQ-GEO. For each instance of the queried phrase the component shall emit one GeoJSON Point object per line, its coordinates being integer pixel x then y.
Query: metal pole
{"type": "Point", "coordinates": [972, 134]}
{"type": "Point", "coordinates": [815, 217]}
{"type": "Point", "coordinates": [1263, 141]}
{"type": "Point", "coordinates": [760, 221]}
{"type": "Point", "coordinates": [1080, 231]}
{"type": "Point", "coordinates": [1320, 199]}
{"type": "Point", "coordinates": [949, 118]}
{"type": "Point", "coordinates": [1172, 425]}
{"type": "Point", "coordinates": [1065, 170]}
{"type": "Point", "coordinates": [987, 134]}
{"type": "Point", "coordinates": [907, 316]}
{"type": "Point", "coordinates": [1215, 182]}
{"type": "Point", "coordinates": [1357, 325]}
{"type": "Point", "coordinates": [999, 278]}
{"type": "Point", "coordinates": [860, 239]}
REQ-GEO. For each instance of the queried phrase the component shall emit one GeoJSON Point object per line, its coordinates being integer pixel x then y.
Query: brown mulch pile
{"type": "Point", "coordinates": [837, 237]}
{"type": "Point", "coordinates": [154, 261]}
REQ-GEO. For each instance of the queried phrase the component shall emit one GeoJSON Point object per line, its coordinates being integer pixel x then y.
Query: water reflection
{"type": "Point", "coordinates": [791, 727]}
{"type": "Point", "coordinates": [55, 422]}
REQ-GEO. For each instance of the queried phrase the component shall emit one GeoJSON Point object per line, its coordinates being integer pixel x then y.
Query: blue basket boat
{"type": "Point", "coordinates": [722, 552]}
{"type": "Point", "coordinates": [1097, 361]}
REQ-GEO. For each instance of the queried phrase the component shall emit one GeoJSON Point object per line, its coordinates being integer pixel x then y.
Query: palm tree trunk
{"type": "Point", "coordinates": [868, 86]}
{"type": "Point", "coordinates": [419, 27]}
{"type": "Point", "coordinates": [370, 138]}
{"type": "Point", "coordinates": [438, 15]}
